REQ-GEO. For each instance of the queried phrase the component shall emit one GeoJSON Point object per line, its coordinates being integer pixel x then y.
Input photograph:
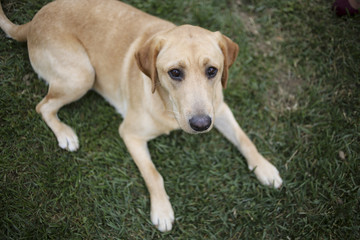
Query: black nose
{"type": "Point", "coordinates": [200, 123]}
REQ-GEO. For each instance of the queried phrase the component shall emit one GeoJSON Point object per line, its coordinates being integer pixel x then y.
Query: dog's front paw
{"type": "Point", "coordinates": [267, 174]}
{"type": "Point", "coordinates": [162, 215]}
{"type": "Point", "coordinates": [67, 139]}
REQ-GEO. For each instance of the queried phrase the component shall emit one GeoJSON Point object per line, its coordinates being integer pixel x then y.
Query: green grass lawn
{"type": "Point", "coordinates": [295, 89]}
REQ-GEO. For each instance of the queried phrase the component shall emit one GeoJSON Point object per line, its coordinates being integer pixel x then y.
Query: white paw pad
{"type": "Point", "coordinates": [267, 174]}
{"type": "Point", "coordinates": [162, 215]}
{"type": "Point", "coordinates": [67, 139]}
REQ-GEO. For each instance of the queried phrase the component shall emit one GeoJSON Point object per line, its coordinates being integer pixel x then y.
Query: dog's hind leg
{"type": "Point", "coordinates": [70, 75]}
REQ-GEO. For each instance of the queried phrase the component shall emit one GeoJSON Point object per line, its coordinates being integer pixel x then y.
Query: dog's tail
{"type": "Point", "coordinates": [17, 32]}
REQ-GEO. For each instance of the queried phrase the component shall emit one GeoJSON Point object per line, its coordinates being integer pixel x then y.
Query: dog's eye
{"type": "Point", "coordinates": [211, 72]}
{"type": "Point", "coordinates": [176, 74]}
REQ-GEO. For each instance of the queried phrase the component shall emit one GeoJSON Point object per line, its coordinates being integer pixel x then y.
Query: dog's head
{"type": "Point", "coordinates": [191, 64]}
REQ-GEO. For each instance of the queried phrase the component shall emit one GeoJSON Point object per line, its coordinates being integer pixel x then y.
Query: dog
{"type": "Point", "coordinates": [160, 77]}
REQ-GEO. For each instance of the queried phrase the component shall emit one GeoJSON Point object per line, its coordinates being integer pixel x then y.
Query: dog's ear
{"type": "Point", "coordinates": [146, 59]}
{"type": "Point", "coordinates": [230, 51]}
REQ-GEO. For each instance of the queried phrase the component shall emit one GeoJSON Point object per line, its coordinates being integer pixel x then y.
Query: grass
{"type": "Point", "coordinates": [295, 89]}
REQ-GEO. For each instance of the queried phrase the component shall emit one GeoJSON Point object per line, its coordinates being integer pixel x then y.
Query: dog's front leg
{"type": "Point", "coordinates": [162, 214]}
{"type": "Point", "coordinates": [264, 170]}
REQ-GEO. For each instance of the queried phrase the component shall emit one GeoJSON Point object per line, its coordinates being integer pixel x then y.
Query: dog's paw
{"type": "Point", "coordinates": [162, 215]}
{"type": "Point", "coordinates": [267, 174]}
{"type": "Point", "coordinates": [67, 139]}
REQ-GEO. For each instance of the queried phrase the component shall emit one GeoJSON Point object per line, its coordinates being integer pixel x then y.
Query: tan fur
{"type": "Point", "coordinates": [126, 55]}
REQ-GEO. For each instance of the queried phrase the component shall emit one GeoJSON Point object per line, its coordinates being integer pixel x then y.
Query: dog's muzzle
{"type": "Point", "coordinates": [200, 123]}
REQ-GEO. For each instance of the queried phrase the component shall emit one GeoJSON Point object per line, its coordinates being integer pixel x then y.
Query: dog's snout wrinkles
{"type": "Point", "coordinates": [200, 123]}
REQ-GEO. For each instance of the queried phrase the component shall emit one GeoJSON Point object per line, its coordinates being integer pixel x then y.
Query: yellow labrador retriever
{"type": "Point", "coordinates": [159, 76]}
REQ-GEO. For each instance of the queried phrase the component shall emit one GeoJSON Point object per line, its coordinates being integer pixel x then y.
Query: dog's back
{"type": "Point", "coordinates": [108, 31]}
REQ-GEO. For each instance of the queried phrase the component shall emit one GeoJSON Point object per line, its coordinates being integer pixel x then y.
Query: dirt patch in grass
{"type": "Point", "coordinates": [282, 94]}
{"type": "Point", "coordinates": [250, 25]}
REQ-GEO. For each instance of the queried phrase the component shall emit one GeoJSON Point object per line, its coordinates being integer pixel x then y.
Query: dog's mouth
{"type": "Point", "coordinates": [193, 121]}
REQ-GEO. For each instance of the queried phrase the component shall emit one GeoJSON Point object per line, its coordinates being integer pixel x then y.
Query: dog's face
{"type": "Point", "coordinates": [190, 64]}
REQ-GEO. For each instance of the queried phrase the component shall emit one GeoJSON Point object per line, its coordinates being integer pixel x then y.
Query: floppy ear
{"type": "Point", "coordinates": [146, 59]}
{"type": "Point", "coordinates": [230, 51]}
